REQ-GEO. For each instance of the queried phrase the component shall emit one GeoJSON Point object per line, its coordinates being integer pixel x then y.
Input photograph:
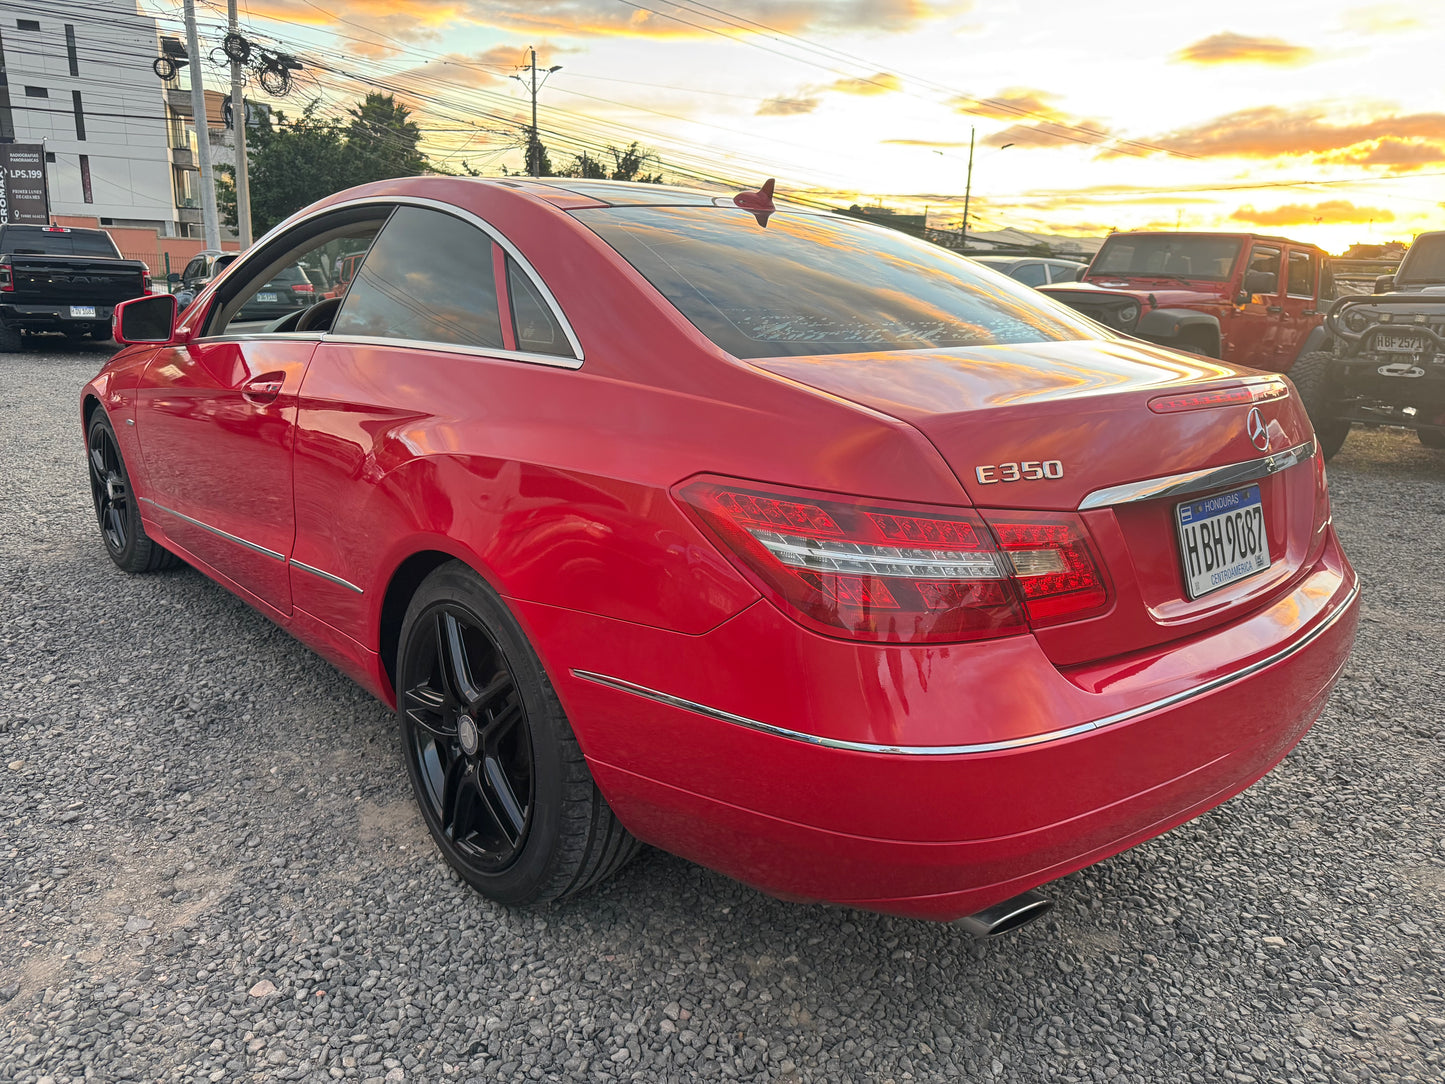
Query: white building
{"type": "Point", "coordinates": [76, 76]}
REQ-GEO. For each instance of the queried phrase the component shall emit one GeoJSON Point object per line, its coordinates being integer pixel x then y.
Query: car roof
{"type": "Point", "coordinates": [1214, 233]}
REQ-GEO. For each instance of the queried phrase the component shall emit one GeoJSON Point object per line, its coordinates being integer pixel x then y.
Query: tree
{"type": "Point", "coordinates": [630, 161]}
{"type": "Point", "coordinates": [534, 146]}
{"type": "Point", "coordinates": [382, 139]}
{"type": "Point", "coordinates": [292, 164]}
{"type": "Point", "coordinates": [586, 167]}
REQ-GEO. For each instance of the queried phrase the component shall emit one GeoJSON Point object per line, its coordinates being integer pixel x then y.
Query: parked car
{"type": "Point", "coordinates": [812, 553]}
{"type": "Point", "coordinates": [198, 273]}
{"type": "Point", "coordinates": [57, 278]}
{"type": "Point", "coordinates": [288, 290]}
{"type": "Point", "coordinates": [1385, 359]}
{"type": "Point", "coordinates": [1034, 270]}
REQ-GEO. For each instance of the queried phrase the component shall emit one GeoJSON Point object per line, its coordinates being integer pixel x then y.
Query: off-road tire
{"type": "Point", "coordinates": [1311, 376]}
{"type": "Point", "coordinates": [1432, 436]}
{"type": "Point", "coordinates": [116, 509]}
{"type": "Point", "coordinates": [569, 838]}
{"type": "Point", "coordinates": [10, 341]}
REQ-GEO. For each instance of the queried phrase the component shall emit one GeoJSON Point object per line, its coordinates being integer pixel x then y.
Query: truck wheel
{"type": "Point", "coordinates": [1432, 437]}
{"type": "Point", "coordinates": [9, 340]}
{"type": "Point", "coordinates": [1310, 374]}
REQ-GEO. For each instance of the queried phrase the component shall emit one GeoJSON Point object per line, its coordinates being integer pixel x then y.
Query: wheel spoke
{"type": "Point", "coordinates": [496, 791]}
{"type": "Point", "coordinates": [453, 786]}
{"type": "Point", "coordinates": [116, 525]}
{"type": "Point", "coordinates": [496, 726]}
{"type": "Point", "coordinates": [452, 660]}
{"type": "Point", "coordinates": [97, 464]}
{"type": "Point", "coordinates": [426, 708]}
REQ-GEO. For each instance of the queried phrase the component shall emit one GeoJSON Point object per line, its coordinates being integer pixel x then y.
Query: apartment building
{"type": "Point", "coordinates": [77, 78]}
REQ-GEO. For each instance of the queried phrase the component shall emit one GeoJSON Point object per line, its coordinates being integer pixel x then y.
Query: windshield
{"type": "Point", "coordinates": [1424, 263]}
{"type": "Point", "coordinates": [809, 284]}
{"type": "Point", "coordinates": [1167, 256]}
{"type": "Point", "coordinates": [36, 241]}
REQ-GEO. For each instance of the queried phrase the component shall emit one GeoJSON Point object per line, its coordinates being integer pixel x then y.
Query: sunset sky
{"type": "Point", "coordinates": [1323, 120]}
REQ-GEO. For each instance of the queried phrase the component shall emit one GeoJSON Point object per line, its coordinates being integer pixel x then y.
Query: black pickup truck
{"type": "Point", "coordinates": [54, 278]}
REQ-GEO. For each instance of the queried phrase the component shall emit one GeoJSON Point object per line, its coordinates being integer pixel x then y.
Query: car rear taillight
{"type": "Point", "coordinates": [145, 281]}
{"type": "Point", "coordinates": [1257, 392]}
{"type": "Point", "coordinates": [7, 280]}
{"type": "Point", "coordinates": [303, 288]}
{"type": "Point", "coordinates": [1053, 564]}
{"type": "Point", "coordinates": [900, 573]}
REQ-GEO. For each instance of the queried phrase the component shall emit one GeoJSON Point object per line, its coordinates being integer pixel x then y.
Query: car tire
{"type": "Point", "coordinates": [10, 342]}
{"type": "Point", "coordinates": [498, 775]}
{"type": "Point", "coordinates": [1310, 374]}
{"type": "Point", "coordinates": [116, 510]}
{"type": "Point", "coordinates": [1432, 437]}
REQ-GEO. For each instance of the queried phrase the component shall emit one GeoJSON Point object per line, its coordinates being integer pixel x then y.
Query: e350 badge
{"type": "Point", "coordinates": [1027, 471]}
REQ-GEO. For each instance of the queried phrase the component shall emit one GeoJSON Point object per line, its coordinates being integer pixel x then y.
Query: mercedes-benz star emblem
{"type": "Point", "coordinates": [467, 734]}
{"type": "Point", "coordinates": [1258, 431]}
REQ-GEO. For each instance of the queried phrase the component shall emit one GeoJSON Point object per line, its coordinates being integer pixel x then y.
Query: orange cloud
{"type": "Point", "coordinates": [1040, 122]}
{"type": "Point", "coordinates": [1329, 213]}
{"type": "Point", "coordinates": [1229, 48]}
{"type": "Point", "coordinates": [879, 83]}
{"type": "Point", "coordinates": [1272, 131]}
{"type": "Point", "coordinates": [783, 106]}
{"type": "Point", "coordinates": [594, 18]}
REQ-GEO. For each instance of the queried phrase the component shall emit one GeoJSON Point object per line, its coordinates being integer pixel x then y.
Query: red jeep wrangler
{"type": "Point", "coordinates": [1252, 300]}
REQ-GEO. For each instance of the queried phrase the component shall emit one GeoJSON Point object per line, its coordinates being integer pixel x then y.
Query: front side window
{"type": "Point", "coordinates": [1301, 274]}
{"type": "Point", "coordinates": [292, 287]}
{"type": "Point", "coordinates": [427, 278]}
{"type": "Point", "coordinates": [1265, 260]}
{"type": "Point", "coordinates": [810, 284]}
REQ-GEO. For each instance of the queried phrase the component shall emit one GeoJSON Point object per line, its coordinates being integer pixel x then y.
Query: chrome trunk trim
{"type": "Point", "coordinates": [1197, 481]}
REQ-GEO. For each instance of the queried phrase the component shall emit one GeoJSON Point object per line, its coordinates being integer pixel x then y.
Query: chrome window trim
{"type": "Point", "coordinates": [983, 747]}
{"type": "Point", "coordinates": [217, 531]}
{"type": "Point", "coordinates": [466, 216]}
{"type": "Point", "coordinates": [1196, 481]}
{"type": "Point", "coordinates": [327, 576]}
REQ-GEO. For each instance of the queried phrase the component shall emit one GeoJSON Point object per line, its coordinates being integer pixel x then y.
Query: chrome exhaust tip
{"type": "Point", "coordinates": [1008, 915]}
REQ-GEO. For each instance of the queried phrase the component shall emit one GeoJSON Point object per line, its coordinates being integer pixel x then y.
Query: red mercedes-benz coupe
{"type": "Point", "coordinates": [797, 547]}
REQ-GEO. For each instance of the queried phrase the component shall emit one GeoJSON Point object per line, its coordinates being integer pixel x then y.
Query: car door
{"type": "Point", "coordinates": [216, 422]}
{"type": "Point", "coordinates": [1254, 333]}
{"type": "Point", "coordinates": [418, 335]}
{"type": "Point", "coordinates": [1300, 313]}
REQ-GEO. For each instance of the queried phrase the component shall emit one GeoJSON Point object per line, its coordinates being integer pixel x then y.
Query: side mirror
{"type": "Point", "coordinates": [173, 278]}
{"type": "Point", "coordinates": [1384, 284]}
{"type": "Point", "coordinates": [145, 320]}
{"type": "Point", "coordinates": [1260, 282]}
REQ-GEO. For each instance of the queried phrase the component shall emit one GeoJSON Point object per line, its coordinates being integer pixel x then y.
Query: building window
{"type": "Point", "coordinates": [28, 24]}
{"type": "Point", "coordinates": [79, 115]}
{"type": "Point", "coordinates": [50, 156]}
{"type": "Point", "coordinates": [70, 49]}
{"type": "Point", "coordinates": [85, 190]}
{"type": "Point", "coordinates": [36, 92]}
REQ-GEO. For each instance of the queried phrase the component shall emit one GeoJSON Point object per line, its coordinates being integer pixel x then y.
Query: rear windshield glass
{"type": "Point", "coordinates": [808, 284]}
{"type": "Point", "coordinates": [1425, 262]}
{"type": "Point", "coordinates": [1167, 256]}
{"type": "Point", "coordinates": [34, 241]}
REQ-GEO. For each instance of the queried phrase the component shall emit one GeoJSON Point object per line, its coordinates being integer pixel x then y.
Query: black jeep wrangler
{"type": "Point", "coordinates": [1386, 362]}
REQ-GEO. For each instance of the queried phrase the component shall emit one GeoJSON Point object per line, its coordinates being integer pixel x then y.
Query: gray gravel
{"type": "Point", "coordinates": [211, 869]}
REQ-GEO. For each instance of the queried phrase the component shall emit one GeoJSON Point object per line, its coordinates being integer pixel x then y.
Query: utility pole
{"type": "Point", "coordinates": [967, 191]}
{"type": "Point", "coordinates": [209, 223]}
{"type": "Point", "coordinates": [238, 129]}
{"type": "Point", "coordinates": [534, 147]}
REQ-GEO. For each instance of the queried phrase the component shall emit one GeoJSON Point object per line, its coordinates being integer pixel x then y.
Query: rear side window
{"type": "Point", "coordinates": [536, 328]}
{"type": "Point", "coordinates": [809, 284]}
{"type": "Point", "coordinates": [37, 241]}
{"type": "Point", "coordinates": [1030, 274]}
{"type": "Point", "coordinates": [428, 277]}
{"type": "Point", "coordinates": [1301, 274]}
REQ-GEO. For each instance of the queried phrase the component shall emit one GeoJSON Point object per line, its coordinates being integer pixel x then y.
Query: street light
{"type": "Point", "coordinates": [533, 150]}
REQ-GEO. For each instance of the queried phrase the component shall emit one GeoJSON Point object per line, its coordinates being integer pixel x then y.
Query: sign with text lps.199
{"type": "Point", "coordinates": [23, 195]}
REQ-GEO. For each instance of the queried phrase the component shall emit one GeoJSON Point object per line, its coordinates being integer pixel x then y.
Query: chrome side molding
{"type": "Point", "coordinates": [982, 747]}
{"type": "Point", "coordinates": [1197, 481]}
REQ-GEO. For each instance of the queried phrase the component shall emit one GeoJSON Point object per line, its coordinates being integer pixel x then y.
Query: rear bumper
{"type": "Point", "coordinates": [53, 317]}
{"type": "Point", "coordinates": [1023, 776]}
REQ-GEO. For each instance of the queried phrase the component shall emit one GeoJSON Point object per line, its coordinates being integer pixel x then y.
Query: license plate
{"type": "Point", "coordinates": [266, 296]}
{"type": "Point", "coordinates": [1222, 539]}
{"type": "Point", "coordinates": [1399, 344]}
{"type": "Point", "coordinates": [82, 311]}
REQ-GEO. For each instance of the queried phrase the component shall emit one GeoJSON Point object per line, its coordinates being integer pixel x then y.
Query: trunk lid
{"type": "Point", "coordinates": [1084, 407]}
{"type": "Point", "coordinates": [41, 280]}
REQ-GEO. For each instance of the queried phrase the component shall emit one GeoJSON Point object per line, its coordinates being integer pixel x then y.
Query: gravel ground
{"type": "Point", "coordinates": [211, 869]}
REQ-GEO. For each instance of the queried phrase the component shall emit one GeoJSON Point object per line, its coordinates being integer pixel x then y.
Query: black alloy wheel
{"type": "Point", "coordinates": [498, 775]}
{"type": "Point", "coordinates": [115, 509]}
{"type": "Point", "coordinates": [470, 738]}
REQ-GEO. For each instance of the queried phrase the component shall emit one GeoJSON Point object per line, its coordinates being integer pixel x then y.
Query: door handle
{"type": "Point", "coordinates": [263, 389]}
{"type": "Point", "coordinates": [1275, 308]}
